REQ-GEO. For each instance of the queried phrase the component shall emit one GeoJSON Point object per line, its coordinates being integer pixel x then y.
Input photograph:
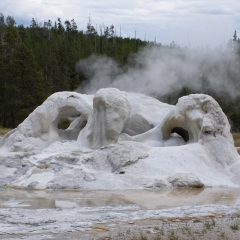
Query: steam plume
{"type": "Point", "coordinates": [158, 71]}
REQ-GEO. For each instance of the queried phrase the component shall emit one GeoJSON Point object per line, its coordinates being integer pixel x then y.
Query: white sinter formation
{"type": "Point", "coordinates": [120, 140]}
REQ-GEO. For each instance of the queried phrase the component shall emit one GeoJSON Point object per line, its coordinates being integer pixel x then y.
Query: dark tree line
{"type": "Point", "coordinates": [39, 60]}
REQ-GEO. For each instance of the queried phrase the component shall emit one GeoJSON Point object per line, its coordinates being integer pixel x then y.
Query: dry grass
{"type": "Point", "coordinates": [3, 131]}
{"type": "Point", "coordinates": [236, 137]}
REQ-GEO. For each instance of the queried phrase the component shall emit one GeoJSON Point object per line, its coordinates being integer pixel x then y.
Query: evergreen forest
{"type": "Point", "coordinates": [39, 60]}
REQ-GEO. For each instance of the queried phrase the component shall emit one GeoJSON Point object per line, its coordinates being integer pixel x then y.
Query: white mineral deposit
{"type": "Point", "coordinates": [120, 140]}
{"type": "Point", "coordinates": [154, 157]}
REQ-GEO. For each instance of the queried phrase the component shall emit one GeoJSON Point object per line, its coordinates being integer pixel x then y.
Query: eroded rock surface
{"type": "Point", "coordinates": [185, 180]}
{"type": "Point", "coordinates": [120, 140]}
{"type": "Point", "coordinates": [111, 109]}
{"type": "Point", "coordinates": [40, 128]}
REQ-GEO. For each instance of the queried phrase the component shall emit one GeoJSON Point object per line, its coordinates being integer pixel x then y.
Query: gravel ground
{"type": "Point", "coordinates": [225, 227]}
{"type": "Point", "coordinates": [215, 226]}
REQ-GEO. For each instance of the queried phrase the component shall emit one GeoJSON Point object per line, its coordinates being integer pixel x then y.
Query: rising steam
{"type": "Point", "coordinates": [158, 71]}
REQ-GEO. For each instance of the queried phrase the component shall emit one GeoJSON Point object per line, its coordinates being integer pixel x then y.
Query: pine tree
{"type": "Point", "coordinates": [28, 86]}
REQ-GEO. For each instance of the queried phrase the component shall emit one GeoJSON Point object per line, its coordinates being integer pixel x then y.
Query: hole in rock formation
{"type": "Point", "coordinates": [64, 123]}
{"type": "Point", "coordinates": [190, 144]}
{"type": "Point", "coordinates": [181, 132]}
{"type": "Point", "coordinates": [69, 123]}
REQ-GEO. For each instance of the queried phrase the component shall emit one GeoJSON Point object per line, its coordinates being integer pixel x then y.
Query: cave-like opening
{"type": "Point", "coordinates": [182, 132]}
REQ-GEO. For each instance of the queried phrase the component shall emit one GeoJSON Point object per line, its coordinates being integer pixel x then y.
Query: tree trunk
{"type": "Point", "coordinates": [13, 119]}
{"type": "Point", "coordinates": [4, 120]}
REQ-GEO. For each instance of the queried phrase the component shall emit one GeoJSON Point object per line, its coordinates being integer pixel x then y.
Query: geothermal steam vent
{"type": "Point", "coordinates": [120, 140]}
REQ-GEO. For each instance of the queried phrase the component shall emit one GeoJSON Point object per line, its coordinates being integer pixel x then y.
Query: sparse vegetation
{"type": "Point", "coordinates": [186, 229]}
{"type": "Point", "coordinates": [143, 237]}
{"type": "Point", "coordinates": [224, 228]}
{"type": "Point", "coordinates": [3, 131]}
{"type": "Point", "coordinates": [216, 228]}
{"type": "Point", "coordinates": [234, 227]}
{"type": "Point", "coordinates": [172, 236]}
{"type": "Point", "coordinates": [209, 224]}
{"type": "Point", "coordinates": [236, 138]}
{"type": "Point", "coordinates": [156, 228]}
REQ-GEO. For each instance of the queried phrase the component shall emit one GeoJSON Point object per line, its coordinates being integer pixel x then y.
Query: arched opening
{"type": "Point", "coordinates": [69, 128]}
{"type": "Point", "coordinates": [64, 123]}
{"type": "Point", "coordinates": [182, 132]}
{"type": "Point", "coordinates": [69, 123]}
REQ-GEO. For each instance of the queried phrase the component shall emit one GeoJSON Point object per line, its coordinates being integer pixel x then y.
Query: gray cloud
{"type": "Point", "coordinates": [206, 22]}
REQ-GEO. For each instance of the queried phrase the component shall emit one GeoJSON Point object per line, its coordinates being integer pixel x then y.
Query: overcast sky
{"type": "Point", "coordinates": [187, 22]}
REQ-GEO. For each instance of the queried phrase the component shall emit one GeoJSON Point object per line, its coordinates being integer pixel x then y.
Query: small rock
{"type": "Point", "coordinates": [32, 184]}
{"type": "Point", "coordinates": [185, 180]}
{"type": "Point", "coordinates": [89, 177]}
{"type": "Point", "coordinates": [160, 183]}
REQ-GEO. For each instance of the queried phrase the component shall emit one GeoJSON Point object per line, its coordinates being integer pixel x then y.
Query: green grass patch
{"type": "Point", "coordinates": [234, 227]}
